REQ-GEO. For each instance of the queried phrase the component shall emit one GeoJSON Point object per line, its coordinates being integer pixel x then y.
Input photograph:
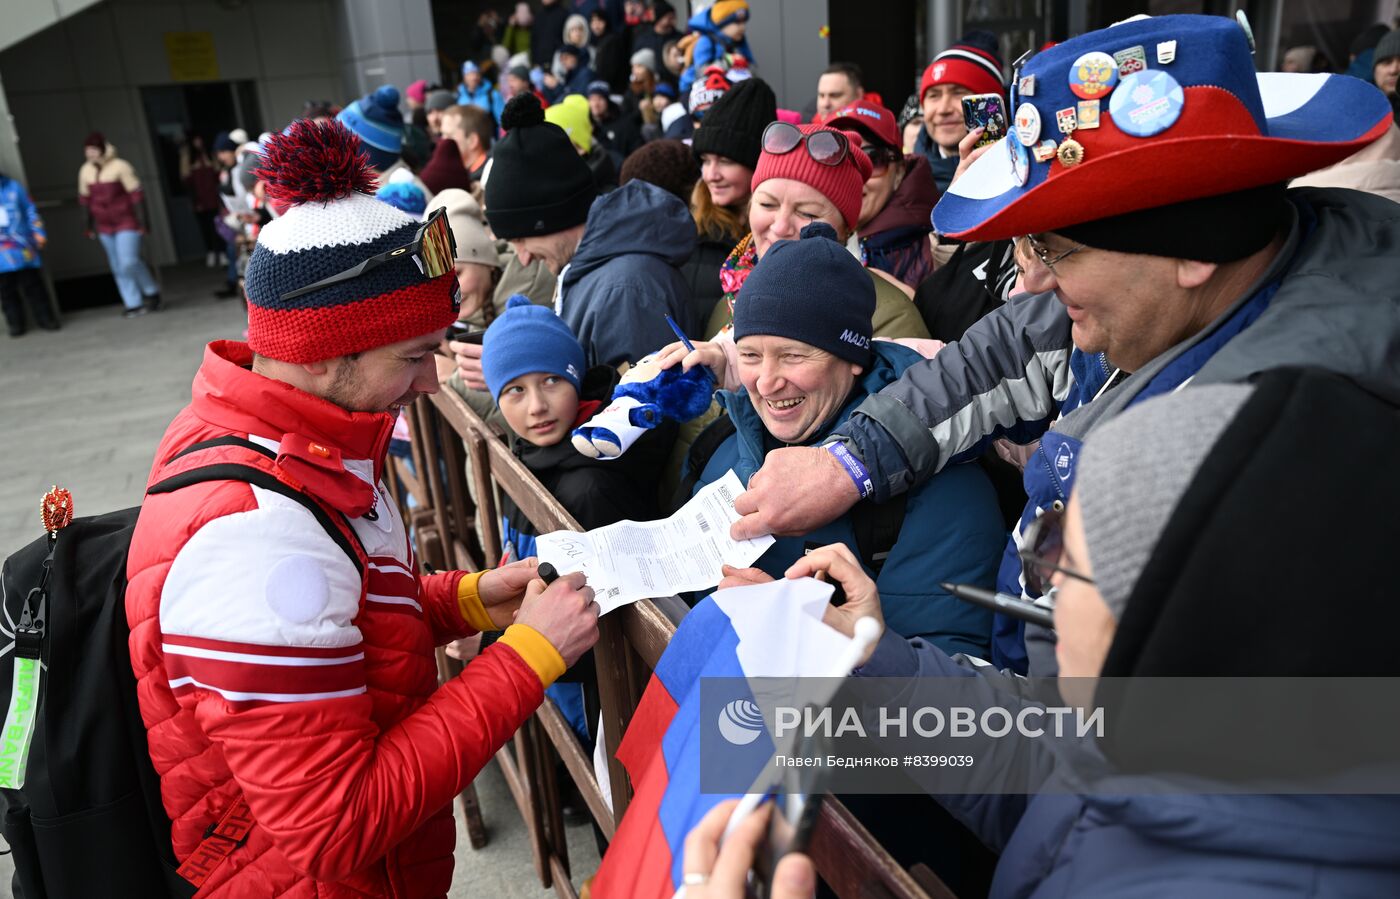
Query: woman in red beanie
{"type": "Point", "coordinates": [809, 173]}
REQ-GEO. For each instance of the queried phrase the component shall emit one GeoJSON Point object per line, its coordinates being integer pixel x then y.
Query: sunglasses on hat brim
{"type": "Point", "coordinates": [824, 147]}
{"type": "Point", "coordinates": [433, 249]}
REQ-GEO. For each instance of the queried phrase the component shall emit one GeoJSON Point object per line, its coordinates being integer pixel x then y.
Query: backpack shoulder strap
{"type": "Point", "coordinates": [877, 527]}
{"type": "Point", "coordinates": [342, 533]}
{"type": "Point", "coordinates": [705, 445]}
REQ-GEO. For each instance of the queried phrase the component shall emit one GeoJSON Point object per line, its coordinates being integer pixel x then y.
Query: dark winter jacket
{"type": "Point", "coordinates": [896, 239]}
{"type": "Point", "coordinates": [596, 492]}
{"type": "Point", "coordinates": [1017, 371]}
{"type": "Point", "coordinates": [624, 278]}
{"type": "Point", "coordinates": [941, 166]}
{"type": "Point", "coordinates": [976, 279]}
{"type": "Point", "coordinates": [701, 271]}
{"type": "Point", "coordinates": [547, 33]}
{"type": "Point", "coordinates": [619, 133]}
{"type": "Point", "coordinates": [952, 530]}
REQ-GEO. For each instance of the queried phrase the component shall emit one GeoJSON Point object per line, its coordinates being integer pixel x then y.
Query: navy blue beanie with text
{"type": "Point", "coordinates": [812, 290]}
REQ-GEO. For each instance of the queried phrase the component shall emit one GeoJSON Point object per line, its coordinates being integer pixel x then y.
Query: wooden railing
{"type": "Point", "coordinates": [456, 525]}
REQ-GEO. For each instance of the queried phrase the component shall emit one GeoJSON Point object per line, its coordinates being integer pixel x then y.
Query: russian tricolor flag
{"type": "Point", "coordinates": [764, 630]}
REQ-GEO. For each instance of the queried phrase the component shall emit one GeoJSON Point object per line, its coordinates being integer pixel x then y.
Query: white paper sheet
{"type": "Point", "coordinates": [630, 560]}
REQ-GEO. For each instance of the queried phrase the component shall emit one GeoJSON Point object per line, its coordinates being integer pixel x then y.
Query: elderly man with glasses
{"type": "Point", "coordinates": [1160, 251]}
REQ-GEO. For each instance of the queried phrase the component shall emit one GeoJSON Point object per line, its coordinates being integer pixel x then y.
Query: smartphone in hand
{"type": "Point", "coordinates": [985, 111]}
{"type": "Point", "coordinates": [465, 333]}
{"type": "Point", "coordinates": [789, 830]}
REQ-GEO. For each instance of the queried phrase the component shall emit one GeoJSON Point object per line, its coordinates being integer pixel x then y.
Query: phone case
{"type": "Point", "coordinates": [987, 111]}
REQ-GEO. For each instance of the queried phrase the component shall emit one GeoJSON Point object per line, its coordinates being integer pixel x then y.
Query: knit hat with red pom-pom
{"type": "Point", "coordinates": [333, 222]}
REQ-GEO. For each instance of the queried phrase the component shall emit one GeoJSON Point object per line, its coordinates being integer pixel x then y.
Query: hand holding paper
{"type": "Point", "coordinates": [630, 560]}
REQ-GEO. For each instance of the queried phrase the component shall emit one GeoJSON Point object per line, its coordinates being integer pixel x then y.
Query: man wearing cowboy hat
{"type": "Point", "coordinates": [1144, 182]}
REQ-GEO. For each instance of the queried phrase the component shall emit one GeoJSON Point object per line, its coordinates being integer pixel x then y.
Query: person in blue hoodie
{"type": "Point", "coordinates": [22, 236]}
{"type": "Point", "coordinates": [616, 257]}
{"type": "Point", "coordinates": [806, 360]}
{"type": "Point", "coordinates": [720, 30]}
{"type": "Point", "coordinates": [477, 91]}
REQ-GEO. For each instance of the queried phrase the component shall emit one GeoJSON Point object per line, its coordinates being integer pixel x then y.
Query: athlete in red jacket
{"type": "Point", "coordinates": [270, 671]}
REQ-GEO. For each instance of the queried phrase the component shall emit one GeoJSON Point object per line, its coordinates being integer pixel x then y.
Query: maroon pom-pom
{"type": "Point", "coordinates": [315, 161]}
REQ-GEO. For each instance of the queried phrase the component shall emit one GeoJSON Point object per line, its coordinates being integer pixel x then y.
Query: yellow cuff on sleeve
{"type": "Point", "coordinates": [537, 651]}
{"type": "Point", "coordinates": [469, 601]}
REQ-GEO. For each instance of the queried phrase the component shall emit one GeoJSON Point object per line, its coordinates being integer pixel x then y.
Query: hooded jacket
{"type": "Point", "coordinates": [1195, 611]}
{"type": "Point", "coordinates": [624, 277]}
{"type": "Point", "coordinates": [952, 530]}
{"type": "Point", "coordinates": [485, 97]}
{"type": "Point", "coordinates": [110, 190]}
{"type": "Point", "coordinates": [896, 239]}
{"type": "Point", "coordinates": [1327, 301]}
{"type": "Point", "coordinates": [269, 668]}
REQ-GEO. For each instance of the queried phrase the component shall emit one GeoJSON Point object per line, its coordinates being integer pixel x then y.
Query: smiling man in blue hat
{"type": "Point", "coordinates": [1144, 185]}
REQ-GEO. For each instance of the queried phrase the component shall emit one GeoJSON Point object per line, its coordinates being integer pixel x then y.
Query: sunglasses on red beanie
{"type": "Point", "coordinates": [432, 249]}
{"type": "Point", "coordinates": [825, 147]}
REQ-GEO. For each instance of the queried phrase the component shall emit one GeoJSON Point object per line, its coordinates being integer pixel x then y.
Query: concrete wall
{"type": "Point", "coordinates": [85, 73]}
{"type": "Point", "coordinates": [384, 42]}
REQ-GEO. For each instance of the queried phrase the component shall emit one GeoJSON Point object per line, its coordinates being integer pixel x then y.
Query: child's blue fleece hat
{"type": "Point", "coordinates": [527, 338]}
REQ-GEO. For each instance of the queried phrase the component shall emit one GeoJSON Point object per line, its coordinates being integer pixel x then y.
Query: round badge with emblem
{"type": "Point", "coordinates": [1070, 153]}
{"type": "Point", "coordinates": [1027, 124]}
{"type": "Point", "coordinates": [1020, 161]}
{"type": "Point", "coordinates": [1093, 76]}
{"type": "Point", "coordinates": [1146, 103]}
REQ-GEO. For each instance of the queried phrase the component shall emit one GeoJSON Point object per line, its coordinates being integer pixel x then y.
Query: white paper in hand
{"type": "Point", "coordinates": [630, 560]}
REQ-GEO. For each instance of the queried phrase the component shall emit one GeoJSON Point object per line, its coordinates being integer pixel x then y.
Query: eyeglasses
{"type": "Point", "coordinates": [433, 250]}
{"type": "Point", "coordinates": [1042, 252]}
{"type": "Point", "coordinates": [881, 158]}
{"type": "Point", "coordinates": [825, 147]}
{"type": "Point", "coordinates": [1042, 547]}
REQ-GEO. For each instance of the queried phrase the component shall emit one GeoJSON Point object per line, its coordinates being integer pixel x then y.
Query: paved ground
{"type": "Point", "coordinates": [84, 408]}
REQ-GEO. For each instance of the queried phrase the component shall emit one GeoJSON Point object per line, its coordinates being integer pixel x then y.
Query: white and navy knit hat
{"type": "Point", "coordinates": [319, 171]}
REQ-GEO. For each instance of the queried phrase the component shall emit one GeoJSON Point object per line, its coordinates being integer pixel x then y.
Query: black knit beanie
{"type": "Point", "coordinates": [538, 184]}
{"type": "Point", "coordinates": [1222, 228]}
{"type": "Point", "coordinates": [779, 297]}
{"type": "Point", "coordinates": [733, 127]}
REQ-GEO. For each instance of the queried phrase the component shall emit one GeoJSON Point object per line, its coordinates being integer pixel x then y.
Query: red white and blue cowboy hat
{"type": "Point", "coordinates": [1147, 113]}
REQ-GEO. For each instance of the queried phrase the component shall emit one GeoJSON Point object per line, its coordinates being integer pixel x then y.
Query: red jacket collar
{"type": "Point", "coordinates": [230, 395]}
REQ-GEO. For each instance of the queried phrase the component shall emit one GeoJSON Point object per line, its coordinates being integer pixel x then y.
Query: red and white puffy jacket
{"type": "Point", "coordinates": [267, 666]}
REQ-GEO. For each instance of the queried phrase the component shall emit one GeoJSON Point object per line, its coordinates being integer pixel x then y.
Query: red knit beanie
{"type": "Point", "coordinates": [841, 184]}
{"type": "Point", "coordinates": [962, 64]}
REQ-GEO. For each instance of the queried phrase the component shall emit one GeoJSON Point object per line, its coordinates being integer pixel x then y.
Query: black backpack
{"type": "Point", "coordinates": [88, 820]}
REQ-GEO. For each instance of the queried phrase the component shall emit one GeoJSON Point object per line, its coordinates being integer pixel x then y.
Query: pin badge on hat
{"type": "Point", "coordinates": [1066, 119]}
{"type": "Point", "coordinates": [1071, 152]}
{"type": "Point", "coordinates": [1027, 124]}
{"type": "Point", "coordinates": [1020, 161]}
{"type": "Point", "coordinates": [1026, 86]}
{"type": "Point", "coordinates": [1093, 75]}
{"type": "Point", "coordinates": [1146, 103]}
{"type": "Point", "coordinates": [1166, 53]}
{"type": "Point", "coordinates": [1045, 151]}
{"type": "Point", "coordinates": [1133, 59]}
{"type": "Point", "coordinates": [1087, 115]}
{"type": "Point", "coordinates": [1244, 23]}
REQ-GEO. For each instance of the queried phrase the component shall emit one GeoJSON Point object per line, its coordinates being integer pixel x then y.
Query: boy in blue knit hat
{"type": "Point", "coordinates": [534, 367]}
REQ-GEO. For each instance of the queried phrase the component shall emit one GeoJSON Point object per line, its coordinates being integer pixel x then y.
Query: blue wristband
{"type": "Point", "coordinates": [854, 468]}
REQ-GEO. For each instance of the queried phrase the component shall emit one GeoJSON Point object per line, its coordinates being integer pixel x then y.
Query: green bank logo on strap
{"type": "Point", "coordinates": [19, 723]}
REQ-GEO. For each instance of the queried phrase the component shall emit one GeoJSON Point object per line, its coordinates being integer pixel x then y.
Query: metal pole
{"type": "Point", "coordinates": [944, 25]}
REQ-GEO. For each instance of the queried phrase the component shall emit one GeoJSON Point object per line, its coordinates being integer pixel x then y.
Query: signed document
{"type": "Point", "coordinates": [630, 560]}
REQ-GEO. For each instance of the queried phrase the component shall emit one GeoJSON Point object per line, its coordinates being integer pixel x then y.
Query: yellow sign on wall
{"type": "Point", "coordinates": [191, 55]}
